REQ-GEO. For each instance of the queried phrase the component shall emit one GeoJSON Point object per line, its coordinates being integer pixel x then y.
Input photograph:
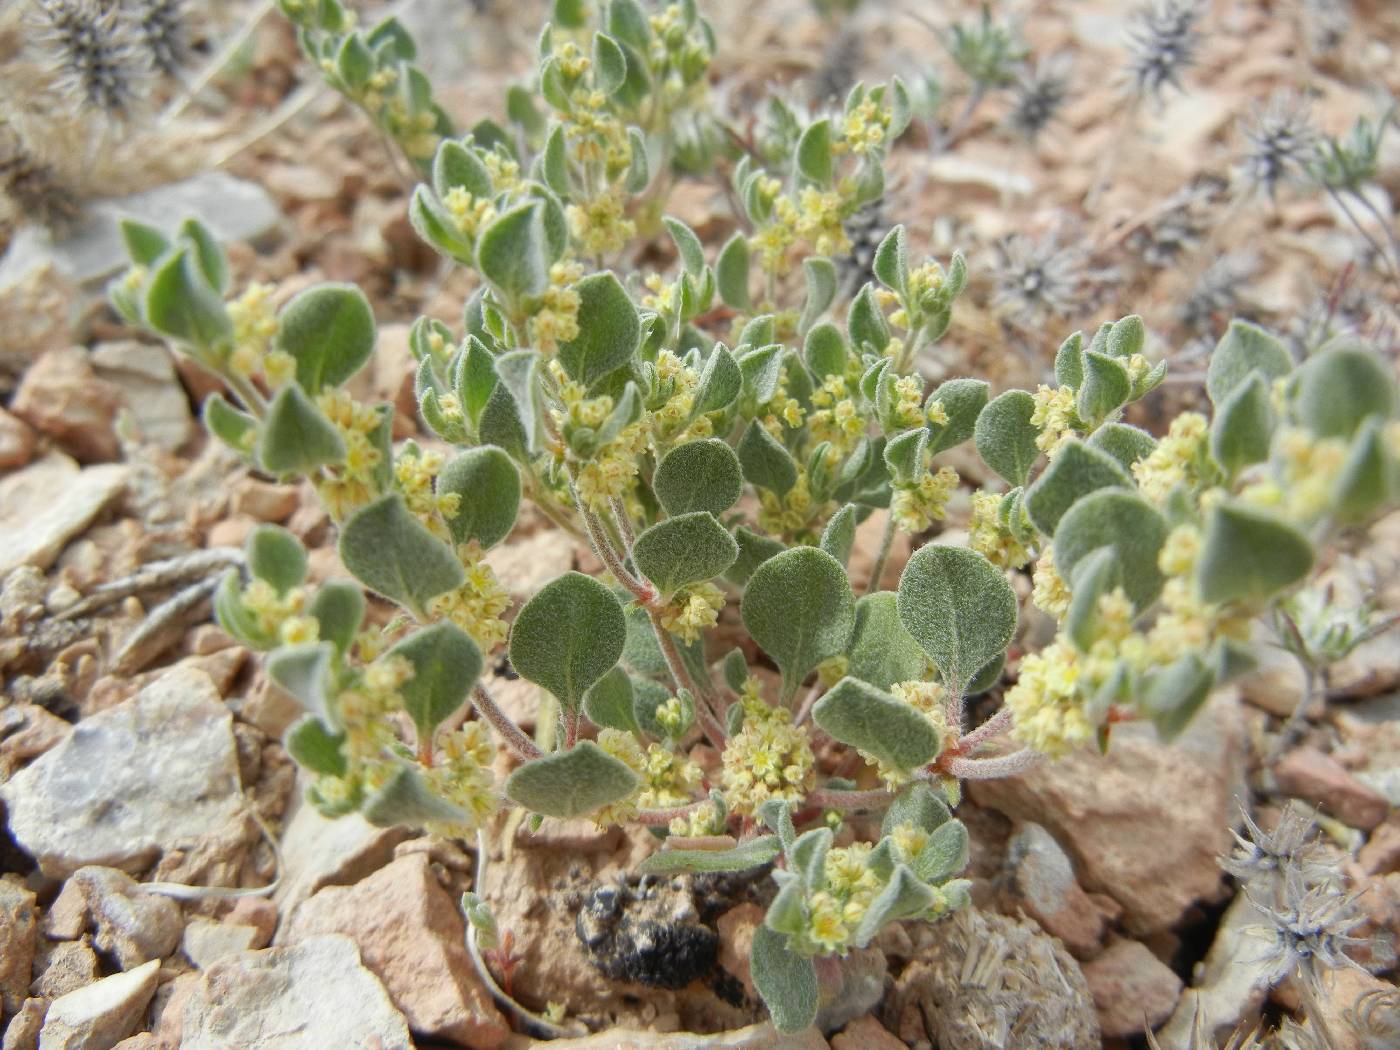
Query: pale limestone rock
{"type": "Point", "coordinates": [205, 942]}
{"type": "Point", "coordinates": [63, 397]}
{"type": "Point", "coordinates": [410, 934]}
{"type": "Point", "coordinates": [152, 774]}
{"type": "Point", "coordinates": [1132, 989]}
{"type": "Point", "coordinates": [755, 1037]}
{"type": "Point", "coordinates": [102, 1014]}
{"type": "Point", "coordinates": [63, 967]}
{"type": "Point", "coordinates": [310, 996]}
{"type": "Point", "coordinates": [133, 927]}
{"type": "Point", "coordinates": [48, 503]}
{"type": "Point", "coordinates": [145, 379]}
{"type": "Point", "coordinates": [1042, 883]}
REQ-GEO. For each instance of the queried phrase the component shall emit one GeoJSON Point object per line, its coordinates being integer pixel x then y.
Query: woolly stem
{"type": "Point", "coordinates": [1014, 764]}
{"type": "Point", "coordinates": [660, 818]}
{"type": "Point", "coordinates": [505, 726]}
{"type": "Point", "coordinates": [886, 542]}
{"type": "Point", "coordinates": [832, 798]}
{"type": "Point", "coordinates": [998, 723]}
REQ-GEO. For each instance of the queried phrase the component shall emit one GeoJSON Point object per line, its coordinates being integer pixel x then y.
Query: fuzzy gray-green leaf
{"type": "Point", "coordinates": [1244, 348]}
{"type": "Point", "coordinates": [1249, 555]}
{"type": "Point", "coordinates": [393, 554]}
{"type": "Point", "coordinates": [446, 664]}
{"type": "Point", "coordinates": [512, 254]}
{"type": "Point", "coordinates": [295, 437]}
{"type": "Point", "coordinates": [799, 608]}
{"type": "Point", "coordinates": [571, 783]}
{"type": "Point", "coordinates": [839, 536]}
{"type": "Point", "coordinates": [1127, 444]}
{"type": "Point", "coordinates": [1128, 524]}
{"type": "Point", "coordinates": [786, 981]}
{"type": "Point", "coordinates": [1243, 426]}
{"type": "Point", "coordinates": [701, 475]}
{"type": "Point", "coordinates": [1338, 389]}
{"type": "Point", "coordinates": [568, 636]}
{"type": "Point", "coordinates": [963, 401]}
{"type": "Point", "coordinates": [329, 330]}
{"type": "Point", "coordinates": [608, 702]}
{"type": "Point", "coordinates": [1076, 470]}
{"type": "Point", "coordinates": [1006, 437]}
{"type": "Point", "coordinates": [488, 489]}
{"type": "Point", "coordinates": [959, 608]}
{"type": "Point", "coordinates": [765, 462]}
{"type": "Point", "coordinates": [609, 330]}
{"type": "Point", "coordinates": [405, 799]}
{"type": "Point", "coordinates": [882, 651]}
{"type": "Point", "coordinates": [877, 723]}
{"type": "Point", "coordinates": [685, 549]}
{"type": "Point", "coordinates": [752, 854]}
{"type": "Point", "coordinates": [276, 557]}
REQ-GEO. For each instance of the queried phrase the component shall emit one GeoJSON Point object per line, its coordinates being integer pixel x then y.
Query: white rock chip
{"type": "Point", "coordinates": [151, 774]}
{"type": "Point", "coordinates": [150, 390]}
{"type": "Point", "coordinates": [312, 996]}
{"type": "Point", "coordinates": [102, 1014]}
{"type": "Point", "coordinates": [49, 502]}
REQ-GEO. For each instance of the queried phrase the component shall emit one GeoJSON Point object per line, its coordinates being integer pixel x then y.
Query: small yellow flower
{"type": "Point", "coordinates": [1045, 703]}
{"type": "Point", "coordinates": [1054, 415]}
{"type": "Point", "coordinates": [1049, 592]}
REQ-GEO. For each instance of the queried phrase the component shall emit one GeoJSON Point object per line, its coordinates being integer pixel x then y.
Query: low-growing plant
{"type": "Point", "coordinates": [716, 434]}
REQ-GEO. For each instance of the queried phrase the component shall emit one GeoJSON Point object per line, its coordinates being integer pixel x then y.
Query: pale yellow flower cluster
{"type": "Point", "coordinates": [917, 506]}
{"type": "Point", "coordinates": [769, 758]}
{"type": "Point", "coordinates": [556, 320]}
{"type": "Point", "coordinates": [990, 538]}
{"type": "Point", "coordinates": [1054, 415]}
{"type": "Point", "coordinates": [476, 606]}
{"type": "Point", "coordinates": [254, 326]}
{"type": "Point", "coordinates": [350, 485]}
{"type": "Point", "coordinates": [1045, 702]}
{"type": "Point", "coordinates": [1049, 591]}
{"type": "Point", "coordinates": [1176, 459]}
{"type": "Point", "coordinates": [835, 417]}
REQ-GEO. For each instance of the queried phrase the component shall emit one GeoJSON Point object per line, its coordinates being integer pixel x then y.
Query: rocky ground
{"type": "Point", "coordinates": [139, 746]}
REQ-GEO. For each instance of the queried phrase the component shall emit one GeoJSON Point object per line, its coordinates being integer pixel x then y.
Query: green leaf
{"type": "Point", "coordinates": [568, 636]}
{"type": "Point", "coordinates": [877, 723]}
{"type": "Point", "coordinates": [1006, 437]}
{"type": "Point", "coordinates": [236, 429]}
{"type": "Point", "coordinates": [1075, 471]}
{"type": "Point", "coordinates": [814, 160]}
{"type": "Point", "coordinates": [1338, 389]}
{"type": "Point", "coordinates": [962, 401]}
{"type": "Point", "coordinates": [698, 475]}
{"type": "Point", "coordinates": [839, 536]}
{"type": "Point", "coordinates": [825, 351]}
{"type": "Point", "coordinates": [446, 664]}
{"type": "Point", "coordinates": [752, 854]}
{"type": "Point", "coordinates": [732, 273]}
{"type": "Point", "coordinates": [609, 64]}
{"type": "Point", "coordinates": [554, 161]}
{"type": "Point", "coordinates": [511, 252]}
{"type": "Point", "coordinates": [720, 382]}
{"type": "Point", "coordinates": [945, 853]}
{"type": "Point", "coordinates": [684, 549]}
{"type": "Point", "coordinates": [393, 554]}
{"type": "Point", "coordinates": [1367, 481]}
{"type": "Point", "coordinates": [762, 369]}
{"type": "Point", "coordinates": [208, 253]}
{"type": "Point", "coordinates": [647, 698]}
{"type": "Point", "coordinates": [891, 264]}
{"type": "Point", "coordinates": [608, 702]}
{"type": "Point", "coordinates": [295, 437]}
{"type": "Point", "coordinates": [572, 783]}
{"type": "Point", "coordinates": [329, 329]}
{"type": "Point", "coordinates": [807, 857]}
{"type": "Point", "coordinates": [1128, 524]}
{"type": "Point", "coordinates": [1244, 348]}
{"type": "Point", "coordinates": [406, 800]}
{"type": "Point", "coordinates": [456, 167]}
{"type": "Point", "coordinates": [904, 897]}
{"type": "Point", "coordinates": [1106, 388]}
{"type": "Point", "coordinates": [799, 608]}
{"type": "Point", "coordinates": [958, 607]}
{"type": "Point", "coordinates": [917, 805]}
{"type": "Point", "coordinates": [882, 651]}
{"type": "Point", "coordinates": [688, 246]}
{"type": "Point", "coordinates": [866, 323]}
{"type": "Point", "coordinates": [277, 557]}
{"type": "Point", "coordinates": [1127, 444]}
{"type": "Point", "coordinates": [1126, 337]}
{"type": "Point", "coordinates": [316, 748]}
{"type": "Point", "coordinates": [1173, 695]}
{"type": "Point", "coordinates": [754, 550]}
{"type": "Point", "coordinates": [488, 489]}
{"type": "Point", "coordinates": [339, 609]}
{"type": "Point", "coordinates": [1243, 427]}
{"type": "Point", "coordinates": [1249, 555]}
{"type": "Point", "coordinates": [766, 463]}
{"type": "Point", "coordinates": [1069, 362]}
{"type": "Point", "coordinates": [609, 330]}
{"type": "Point", "coordinates": [820, 274]}
{"type": "Point", "coordinates": [145, 244]}
{"type": "Point", "coordinates": [786, 981]}
{"type": "Point", "coordinates": [180, 303]}
{"type": "Point", "coordinates": [1095, 575]}
{"type": "Point", "coordinates": [304, 672]}
{"type": "Point", "coordinates": [904, 455]}
{"type": "Point", "coordinates": [628, 22]}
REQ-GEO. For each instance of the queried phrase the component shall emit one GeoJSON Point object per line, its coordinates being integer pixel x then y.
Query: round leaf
{"type": "Point", "coordinates": [609, 330]}
{"type": "Point", "coordinates": [684, 549]}
{"type": "Point", "coordinates": [877, 723]}
{"type": "Point", "coordinates": [329, 329]}
{"type": "Point", "coordinates": [799, 608]}
{"type": "Point", "coordinates": [958, 607]}
{"type": "Point", "coordinates": [568, 636]}
{"type": "Point", "coordinates": [1249, 555]}
{"type": "Point", "coordinates": [488, 487]}
{"type": "Point", "coordinates": [1077, 470]}
{"type": "Point", "coordinates": [391, 552]}
{"type": "Point", "coordinates": [699, 475]}
{"type": "Point", "coordinates": [1005, 436]}
{"type": "Point", "coordinates": [1125, 522]}
{"type": "Point", "coordinates": [571, 783]}
{"type": "Point", "coordinates": [446, 664]}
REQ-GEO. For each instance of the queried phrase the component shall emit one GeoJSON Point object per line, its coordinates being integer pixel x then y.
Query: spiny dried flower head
{"type": "Point", "coordinates": [1164, 43]}
{"type": "Point", "coordinates": [164, 30]}
{"type": "Point", "coordinates": [1041, 277]}
{"type": "Point", "coordinates": [1038, 95]}
{"type": "Point", "coordinates": [1266, 854]}
{"type": "Point", "coordinates": [33, 187]}
{"type": "Point", "coordinates": [1217, 293]}
{"type": "Point", "coordinates": [1308, 929]}
{"type": "Point", "coordinates": [1282, 146]}
{"type": "Point", "coordinates": [1182, 224]}
{"type": "Point", "coordinates": [94, 53]}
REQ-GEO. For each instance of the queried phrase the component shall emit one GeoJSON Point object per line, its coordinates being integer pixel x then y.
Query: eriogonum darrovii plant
{"type": "Point", "coordinates": [716, 432]}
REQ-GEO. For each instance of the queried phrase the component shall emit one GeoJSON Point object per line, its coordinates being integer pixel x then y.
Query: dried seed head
{"type": "Point", "coordinates": [1182, 225]}
{"type": "Point", "coordinates": [1038, 95]}
{"type": "Point", "coordinates": [1282, 146]}
{"type": "Point", "coordinates": [1266, 854]}
{"type": "Point", "coordinates": [94, 53]}
{"type": "Point", "coordinates": [1041, 277]}
{"type": "Point", "coordinates": [164, 31]}
{"type": "Point", "coordinates": [1308, 928]}
{"type": "Point", "coordinates": [33, 187]}
{"type": "Point", "coordinates": [1217, 293]}
{"type": "Point", "coordinates": [1163, 44]}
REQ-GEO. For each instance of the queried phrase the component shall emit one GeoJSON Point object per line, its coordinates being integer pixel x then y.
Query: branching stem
{"type": "Point", "coordinates": [504, 725]}
{"type": "Point", "coordinates": [1014, 764]}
